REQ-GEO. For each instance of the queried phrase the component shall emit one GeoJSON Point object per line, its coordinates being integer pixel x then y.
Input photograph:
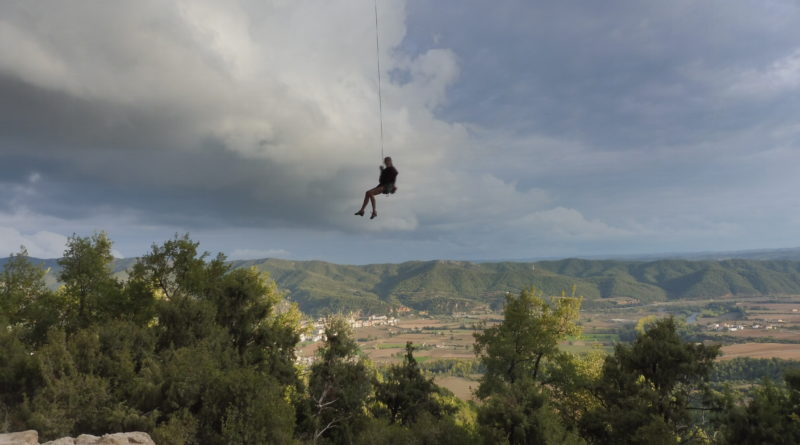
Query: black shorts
{"type": "Point", "coordinates": [386, 188]}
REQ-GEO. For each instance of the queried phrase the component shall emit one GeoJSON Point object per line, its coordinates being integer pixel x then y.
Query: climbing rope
{"type": "Point", "coordinates": [378, 58]}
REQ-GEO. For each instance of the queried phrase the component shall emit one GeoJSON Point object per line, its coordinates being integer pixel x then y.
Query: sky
{"type": "Point", "coordinates": [521, 129]}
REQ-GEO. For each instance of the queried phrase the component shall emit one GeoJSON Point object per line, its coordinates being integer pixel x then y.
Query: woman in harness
{"type": "Point", "coordinates": [385, 186]}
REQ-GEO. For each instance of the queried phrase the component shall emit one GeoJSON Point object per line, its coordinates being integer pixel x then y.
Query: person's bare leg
{"type": "Point", "coordinates": [369, 196]}
{"type": "Point", "coordinates": [376, 191]}
{"type": "Point", "coordinates": [363, 205]}
{"type": "Point", "coordinates": [374, 212]}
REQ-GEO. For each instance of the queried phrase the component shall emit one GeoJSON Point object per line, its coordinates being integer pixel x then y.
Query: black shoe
{"type": "Point", "coordinates": [359, 213]}
{"type": "Point", "coordinates": [374, 215]}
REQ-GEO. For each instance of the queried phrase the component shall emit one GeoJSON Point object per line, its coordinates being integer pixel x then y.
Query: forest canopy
{"type": "Point", "coordinates": [195, 351]}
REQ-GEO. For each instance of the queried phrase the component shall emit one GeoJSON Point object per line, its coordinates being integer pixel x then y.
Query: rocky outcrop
{"type": "Point", "coordinates": [29, 437]}
{"type": "Point", "coordinates": [32, 438]}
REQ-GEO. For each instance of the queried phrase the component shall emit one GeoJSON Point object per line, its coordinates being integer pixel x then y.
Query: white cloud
{"type": "Point", "coordinates": [41, 244]}
{"type": "Point", "coordinates": [780, 76]}
{"type": "Point", "coordinates": [256, 254]}
{"type": "Point", "coordinates": [568, 224]}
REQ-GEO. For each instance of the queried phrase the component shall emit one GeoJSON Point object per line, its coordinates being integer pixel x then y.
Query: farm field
{"type": "Point", "coordinates": [771, 335]}
{"type": "Point", "coordinates": [745, 327]}
{"type": "Point", "coordinates": [452, 337]}
{"type": "Point", "coordinates": [461, 387]}
{"type": "Point", "coordinates": [434, 338]}
{"type": "Point", "coordinates": [761, 350]}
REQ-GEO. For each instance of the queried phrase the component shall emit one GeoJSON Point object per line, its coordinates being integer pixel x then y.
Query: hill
{"type": "Point", "coordinates": [760, 254]}
{"type": "Point", "coordinates": [791, 254]}
{"type": "Point", "coordinates": [446, 286]}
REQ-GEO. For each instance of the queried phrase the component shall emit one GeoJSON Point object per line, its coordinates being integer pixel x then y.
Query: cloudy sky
{"type": "Point", "coordinates": [520, 128]}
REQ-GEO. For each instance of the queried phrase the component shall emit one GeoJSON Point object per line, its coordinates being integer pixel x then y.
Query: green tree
{"type": "Point", "coordinates": [26, 304]}
{"type": "Point", "coordinates": [227, 340]}
{"type": "Point", "coordinates": [426, 430]}
{"type": "Point", "coordinates": [195, 294]}
{"type": "Point", "coordinates": [529, 334]}
{"type": "Point", "coordinates": [20, 284]}
{"type": "Point", "coordinates": [265, 334]}
{"type": "Point", "coordinates": [71, 400]}
{"type": "Point", "coordinates": [570, 380]}
{"type": "Point", "coordinates": [88, 279]}
{"type": "Point", "coordinates": [339, 386]}
{"type": "Point", "coordinates": [650, 390]}
{"type": "Point", "coordinates": [515, 352]}
{"type": "Point", "coordinates": [176, 269]}
{"type": "Point", "coordinates": [181, 282]}
{"type": "Point", "coordinates": [185, 349]}
{"type": "Point", "coordinates": [19, 377]}
{"type": "Point", "coordinates": [407, 393]}
{"type": "Point", "coordinates": [253, 410]}
{"type": "Point", "coordinates": [772, 416]}
{"type": "Point", "coordinates": [520, 413]}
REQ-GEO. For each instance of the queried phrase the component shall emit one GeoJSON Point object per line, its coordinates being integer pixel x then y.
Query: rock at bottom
{"type": "Point", "coordinates": [29, 437]}
{"type": "Point", "coordinates": [135, 438]}
{"type": "Point", "coordinates": [62, 441]}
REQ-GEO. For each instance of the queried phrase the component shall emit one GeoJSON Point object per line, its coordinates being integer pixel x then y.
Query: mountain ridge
{"type": "Point", "coordinates": [444, 286]}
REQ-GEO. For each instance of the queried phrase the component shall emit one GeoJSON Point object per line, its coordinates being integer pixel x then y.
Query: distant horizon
{"type": "Point", "coordinates": [690, 256]}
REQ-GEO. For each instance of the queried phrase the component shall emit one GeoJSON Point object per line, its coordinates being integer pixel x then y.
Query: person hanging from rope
{"type": "Point", "coordinates": [385, 186]}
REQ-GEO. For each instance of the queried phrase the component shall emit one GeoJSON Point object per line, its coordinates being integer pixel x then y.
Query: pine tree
{"type": "Point", "coordinates": [651, 388]}
{"type": "Point", "coordinates": [407, 393]}
{"type": "Point", "coordinates": [515, 352]}
{"type": "Point", "coordinates": [338, 387]}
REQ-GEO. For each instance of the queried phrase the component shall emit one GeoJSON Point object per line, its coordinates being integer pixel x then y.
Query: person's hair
{"type": "Point", "coordinates": [387, 158]}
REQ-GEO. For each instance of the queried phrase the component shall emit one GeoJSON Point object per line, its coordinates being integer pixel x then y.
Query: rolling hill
{"type": "Point", "coordinates": [446, 286]}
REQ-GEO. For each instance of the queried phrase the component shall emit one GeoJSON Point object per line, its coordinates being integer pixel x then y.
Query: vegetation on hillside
{"type": "Point", "coordinates": [195, 351]}
{"type": "Point", "coordinates": [454, 286]}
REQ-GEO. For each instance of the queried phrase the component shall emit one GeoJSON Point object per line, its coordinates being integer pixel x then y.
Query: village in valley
{"type": "Point", "coordinates": [757, 327]}
{"type": "Point", "coordinates": [316, 329]}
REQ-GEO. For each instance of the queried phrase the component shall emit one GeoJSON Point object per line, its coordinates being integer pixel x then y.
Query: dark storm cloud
{"type": "Point", "coordinates": [516, 125]}
{"type": "Point", "coordinates": [617, 74]}
{"type": "Point", "coordinates": [662, 117]}
{"type": "Point", "coordinates": [95, 154]}
{"type": "Point", "coordinates": [152, 142]}
{"type": "Point", "coordinates": [206, 115]}
{"type": "Point", "coordinates": [35, 120]}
